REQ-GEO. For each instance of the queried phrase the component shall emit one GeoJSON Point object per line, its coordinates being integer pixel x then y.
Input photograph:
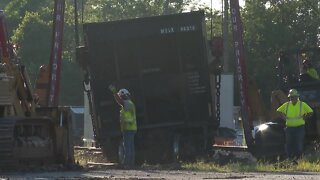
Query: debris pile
{"type": "Point", "coordinates": [223, 157]}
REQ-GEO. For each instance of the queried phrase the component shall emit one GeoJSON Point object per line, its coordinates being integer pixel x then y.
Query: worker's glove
{"type": "Point", "coordinates": [113, 89]}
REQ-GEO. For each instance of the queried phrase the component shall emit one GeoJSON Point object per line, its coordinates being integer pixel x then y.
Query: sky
{"type": "Point", "coordinates": [216, 4]}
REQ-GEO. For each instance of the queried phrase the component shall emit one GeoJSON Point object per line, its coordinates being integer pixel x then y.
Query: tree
{"type": "Point", "coordinates": [274, 25]}
{"type": "Point", "coordinates": [33, 33]}
{"type": "Point", "coordinates": [30, 26]}
{"type": "Point", "coordinates": [111, 10]}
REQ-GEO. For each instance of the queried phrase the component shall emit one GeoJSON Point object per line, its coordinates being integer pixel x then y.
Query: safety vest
{"type": "Point", "coordinates": [128, 116]}
{"type": "Point", "coordinates": [294, 113]}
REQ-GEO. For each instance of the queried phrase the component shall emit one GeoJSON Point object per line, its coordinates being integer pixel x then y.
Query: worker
{"type": "Point", "coordinates": [128, 124]}
{"type": "Point", "coordinates": [295, 112]}
{"type": "Point", "coordinates": [309, 70]}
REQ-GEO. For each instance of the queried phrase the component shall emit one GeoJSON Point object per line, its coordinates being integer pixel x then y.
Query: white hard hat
{"type": "Point", "coordinates": [123, 92]}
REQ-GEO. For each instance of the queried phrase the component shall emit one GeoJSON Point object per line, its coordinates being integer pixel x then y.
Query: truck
{"type": "Point", "coordinates": [30, 134]}
{"type": "Point", "coordinates": [163, 62]}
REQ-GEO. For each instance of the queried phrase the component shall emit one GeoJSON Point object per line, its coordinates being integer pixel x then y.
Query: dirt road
{"type": "Point", "coordinates": [153, 174]}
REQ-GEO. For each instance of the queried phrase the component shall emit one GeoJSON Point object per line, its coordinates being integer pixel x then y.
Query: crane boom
{"type": "Point", "coordinates": [4, 45]}
{"type": "Point", "coordinates": [56, 53]}
{"type": "Point", "coordinates": [241, 70]}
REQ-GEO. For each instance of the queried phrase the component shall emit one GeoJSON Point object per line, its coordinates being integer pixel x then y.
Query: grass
{"type": "Point", "coordinates": [258, 167]}
{"type": "Point", "coordinates": [82, 157]}
{"type": "Point", "coordinates": [309, 163]}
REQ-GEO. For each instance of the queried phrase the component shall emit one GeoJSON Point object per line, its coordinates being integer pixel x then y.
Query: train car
{"type": "Point", "coordinates": [163, 62]}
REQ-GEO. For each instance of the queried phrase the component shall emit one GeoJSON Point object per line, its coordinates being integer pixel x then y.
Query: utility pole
{"type": "Point", "coordinates": [76, 23]}
{"type": "Point", "coordinates": [225, 37]}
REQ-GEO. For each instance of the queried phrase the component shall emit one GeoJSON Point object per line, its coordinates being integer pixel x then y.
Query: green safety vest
{"type": "Point", "coordinates": [294, 113]}
{"type": "Point", "coordinates": [128, 116]}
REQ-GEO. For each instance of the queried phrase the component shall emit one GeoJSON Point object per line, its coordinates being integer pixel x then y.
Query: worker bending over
{"type": "Point", "coordinates": [295, 112]}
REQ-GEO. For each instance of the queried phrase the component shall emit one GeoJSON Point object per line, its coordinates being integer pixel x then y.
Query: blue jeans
{"type": "Point", "coordinates": [295, 141]}
{"type": "Point", "coordinates": [128, 145]}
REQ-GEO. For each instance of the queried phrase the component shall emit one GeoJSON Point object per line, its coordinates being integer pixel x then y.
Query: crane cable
{"type": "Point", "coordinates": [82, 11]}
{"type": "Point", "coordinates": [211, 21]}
{"type": "Point", "coordinates": [86, 81]}
{"type": "Point", "coordinates": [76, 23]}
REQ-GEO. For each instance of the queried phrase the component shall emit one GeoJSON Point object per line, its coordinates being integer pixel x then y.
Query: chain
{"type": "Point", "coordinates": [91, 113]}
{"type": "Point", "coordinates": [86, 82]}
{"type": "Point", "coordinates": [218, 87]}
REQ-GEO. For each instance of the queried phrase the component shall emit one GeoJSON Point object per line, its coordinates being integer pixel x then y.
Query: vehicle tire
{"type": "Point", "coordinates": [270, 143]}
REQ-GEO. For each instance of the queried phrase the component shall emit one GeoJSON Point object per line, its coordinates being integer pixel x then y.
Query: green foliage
{"type": "Point", "coordinates": [30, 26]}
{"type": "Point", "coordinates": [271, 26]}
{"type": "Point", "coordinates": [32, 39]}
{"type": "Point", "coordinates": [29, 23]}
{"type": "Point", "coordinates": [71, 90]}
{"type": "Point", "coordinates": [16, 10]}
{"type": "Point", "coordinates": [110, 10]}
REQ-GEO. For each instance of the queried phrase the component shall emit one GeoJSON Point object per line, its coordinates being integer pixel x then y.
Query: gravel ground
{"type": "Point", "coordinates": [118, 174]}
{"type": "Point", "coordinates": [97, 167]}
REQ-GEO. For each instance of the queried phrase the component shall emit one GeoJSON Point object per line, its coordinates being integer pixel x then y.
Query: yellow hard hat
{"type": "Point", "coordinates": [293, 92]}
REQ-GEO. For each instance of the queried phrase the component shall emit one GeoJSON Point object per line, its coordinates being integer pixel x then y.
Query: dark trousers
{"type": "Point", "coordinates": [128, 147]}
{"type": "Point", "coordinates": [295, 141]}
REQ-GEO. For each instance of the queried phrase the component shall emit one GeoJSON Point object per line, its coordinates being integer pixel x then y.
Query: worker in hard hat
{"type": "Point", "coordinates": [309, 70]}
{"type": "Point", "coordinates": [128, 124]}
{"type": "Point", "coordinates": [295, 112]}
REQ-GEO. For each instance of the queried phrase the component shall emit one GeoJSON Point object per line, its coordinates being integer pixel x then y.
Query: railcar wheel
{"type": "Point", "coordinates": [176, 144]}
{"type": "Point", "coordinates": [121, 153]}
{"type": "Point", "coordinates": [111, 149]}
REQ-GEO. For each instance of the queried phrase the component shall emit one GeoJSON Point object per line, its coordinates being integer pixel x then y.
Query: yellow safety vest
{"type": "Point", "coordinates": [128, 116]}
{"type": "Point", "coordinates": [294, 113]}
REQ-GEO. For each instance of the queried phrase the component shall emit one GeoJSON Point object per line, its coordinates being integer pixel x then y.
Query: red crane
{"type": "Point", "coordinates": [56, 53]}
{"type": "Point", "coordinates": [241, 70]}
{"type": "Point", "coordinates": [48, 81]}
{"type": "Point", "coordinates": [4, 44]}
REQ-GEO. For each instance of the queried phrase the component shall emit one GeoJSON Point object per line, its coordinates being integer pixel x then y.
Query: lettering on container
{"type": "Point", "coordinates": [170, 30]}
{"type": "Point", "coordinates": [193, 83]}
{"type": "Point", "coordinates": [150, 70]}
